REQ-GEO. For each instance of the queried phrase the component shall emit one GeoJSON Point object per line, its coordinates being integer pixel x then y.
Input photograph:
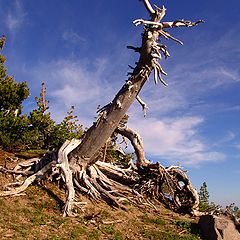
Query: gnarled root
{"type": "Point", "coordinates": [29, 180]}
{"type": "Point", "coordinates": [170, 186]}
{"type": "Point", "coordinates": [63, 164]}
{"type": "Point", "coordinates": [109, 182]}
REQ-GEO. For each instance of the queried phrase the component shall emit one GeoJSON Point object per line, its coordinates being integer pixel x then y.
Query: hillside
{"type": "Point", "coordinates": [37, 215]}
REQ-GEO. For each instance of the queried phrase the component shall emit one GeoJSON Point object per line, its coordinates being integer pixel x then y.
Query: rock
{"type": "Point", "coordinates": [218, 228]}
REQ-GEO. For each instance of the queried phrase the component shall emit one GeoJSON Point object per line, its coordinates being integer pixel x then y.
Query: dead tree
{"type": "Point", "coordinates": [78, 162]}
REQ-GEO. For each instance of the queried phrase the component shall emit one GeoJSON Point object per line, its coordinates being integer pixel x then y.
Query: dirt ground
{"type": "Point", "coordinates": [37, 215]}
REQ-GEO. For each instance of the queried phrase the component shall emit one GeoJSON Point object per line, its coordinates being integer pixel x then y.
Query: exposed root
{"type": "Point", "coordinates": [66, 148]}
{"type": "Point", "coordinates": [24, 173]}
{"type": "Point", "coordinates": [136, 142]}
{"type": "Point", "coordinates": [35, 177]}
{"type": "Point", "coordinates": [97, 185]}
{"type": "Point", "coordinates": [170, 186]}
{"type": "Point", "coordinates": [109, 182]}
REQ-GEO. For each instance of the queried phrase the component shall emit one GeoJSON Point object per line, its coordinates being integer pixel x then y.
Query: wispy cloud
{"type": "Point", "coordinates": [15, 16]}
{"type": "Point", "coordinates": [73, 37]}
{"type": "Point", "coordinates": [176, 137]}
{"type": "Point", "coordinates": [176, 140]}
{"type": "Point", "coordinates": [72, 82]}
{"type": "Point", "coordinates": [222, 76]}
{"type": "Point", "coordinates": [230, 136]}
{"type": "Point", "coordinates": [227, 140]}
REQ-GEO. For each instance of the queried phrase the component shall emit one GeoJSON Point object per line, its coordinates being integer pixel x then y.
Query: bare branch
{"type": "Point", "coordinates": [155, 74]}
{"type": "Point", "coordinates": [146, 22]}
{"type": "Point", "coordinates": [136, 49]}
{"type": "Point", "coordinates": [143, 104]}
{"type": "Point", "coordinates": [148, 7]}
{"type": "Point", "coordinates": [181, 23]}
{"type": "Point", "coordinates": [160, 12]}
{"type": "Point", "coordinates": [137, 144]}
{"type": "Point", "coordinates": [167, 36]}
{"type": "Point", "coordinates": [158, 71]}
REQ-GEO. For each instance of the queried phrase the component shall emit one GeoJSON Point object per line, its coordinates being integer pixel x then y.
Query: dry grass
{"type": "Point", "coordinates": [37, 215]}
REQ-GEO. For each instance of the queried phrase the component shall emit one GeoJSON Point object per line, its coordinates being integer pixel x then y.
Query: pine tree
{"type": "Point", "coordinates": [13, 125]}
{"type": "Point", "coordinates": [203, 198]}
{"type": "Point", "coordinates": [12, 93]}
{"type": "Point", "coordinates": [36, 131]}
{"type": "Point", "coordinates": [42, 125]}
{"type": "Point", "coordinates": [69, 128]}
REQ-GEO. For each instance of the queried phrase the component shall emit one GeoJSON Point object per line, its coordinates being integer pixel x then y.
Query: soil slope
{"type": "Point", "coordinates": [37, 215]}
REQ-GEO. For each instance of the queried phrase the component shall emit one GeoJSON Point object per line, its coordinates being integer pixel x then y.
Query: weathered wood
{"type": "Point", "coordinates": [80, 167]}
{"type": "Point", "coordinates": [63, 152]}
{"type": "Point", "coordinates": [36, 176]}
{"type": "Point", "coordinates": [137, 144]}
{"type": "Point", "coordinates": [110, 115]}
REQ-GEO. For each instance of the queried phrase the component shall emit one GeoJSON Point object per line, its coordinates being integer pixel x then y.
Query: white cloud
{"type": "Point", "coordinates": [15, 17]}
{"type": "Point", "coordinates": [222, 76]}
{"type": "Point", "coordinates": [70, 82]}
{"type": "Point", "coordinates": [230, 136]}
{"type": "Point", "coordinates": [75, 84]}
{"type": "Point", "coordinates": [175, 139]}
{"type": "Point", "coordinates": [73, 37]}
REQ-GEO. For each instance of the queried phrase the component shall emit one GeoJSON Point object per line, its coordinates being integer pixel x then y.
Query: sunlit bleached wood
{"type": "Point", "coordinates": [149, 7]}
{"type": "Point", "coordinates": [80, 164]}
{"type": "Point", "coordinates": [136, 142]}
{"type": "Point", "coordinates": [63, 164]}
{"type": "Point", "coordinates": [143, 104]}
{"type": "Point", "coordinates": [34, 177]}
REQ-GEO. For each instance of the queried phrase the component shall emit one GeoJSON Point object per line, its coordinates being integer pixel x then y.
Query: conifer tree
{"type": "Point", "coordinates": [13, 125]}
{"type": "Point", "coordinates": [12, 93]}
{"type": "Point", "coordinates": [203, 198]}
{"type": "Point", "coordinates": [69, 128]}
{"type": "Point", "coordinates": [42, 126]}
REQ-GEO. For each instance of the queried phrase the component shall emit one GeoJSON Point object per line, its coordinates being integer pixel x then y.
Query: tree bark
{"type": "Point", "coordinates": [110, 117]}
{"type": "Point", "coordinates": [111, 114]}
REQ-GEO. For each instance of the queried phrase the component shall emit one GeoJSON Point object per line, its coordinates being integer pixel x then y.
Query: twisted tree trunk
{"type": "Point", "coordinates": [111, 114]}
{"type": "Point", "coordinates": [80, 167]}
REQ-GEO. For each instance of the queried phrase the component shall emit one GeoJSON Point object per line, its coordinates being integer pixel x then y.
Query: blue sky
{"type": "Point", "coordinates": [78, 48]}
